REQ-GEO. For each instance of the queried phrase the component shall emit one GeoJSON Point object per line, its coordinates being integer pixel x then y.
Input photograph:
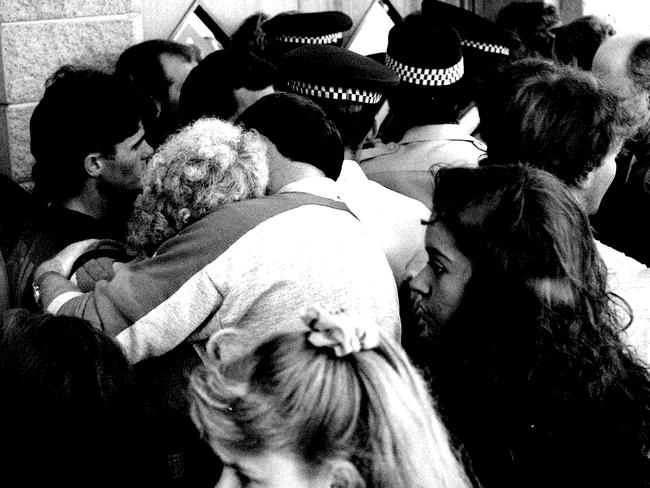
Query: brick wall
{"type": "Point", "coordinates": [36, 37]}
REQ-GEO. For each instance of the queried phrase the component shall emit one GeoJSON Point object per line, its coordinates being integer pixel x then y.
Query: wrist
{"type": "Point", "coordinates": [38, 282]}
{"type": "Point", "coordinates": [48, 267]}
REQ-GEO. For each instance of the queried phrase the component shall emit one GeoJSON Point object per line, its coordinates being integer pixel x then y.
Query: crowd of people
{"type": "Point", "coordinates": [286, 264]}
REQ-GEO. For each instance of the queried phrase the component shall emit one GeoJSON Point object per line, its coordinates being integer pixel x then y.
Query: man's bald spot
{"type": "Point", "coordinates": [612, 58]}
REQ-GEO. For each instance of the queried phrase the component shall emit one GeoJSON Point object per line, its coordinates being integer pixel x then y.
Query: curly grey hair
{"type": "Point", "coordinates": [205, 165]}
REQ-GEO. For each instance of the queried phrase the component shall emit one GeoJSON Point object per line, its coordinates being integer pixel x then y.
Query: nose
{"type": "Point", "coordinates": [421, 283]}
{"type": "Point", "coordinates": [415, 265]}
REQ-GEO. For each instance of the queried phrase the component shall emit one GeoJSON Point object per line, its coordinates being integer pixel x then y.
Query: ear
{"type": "Point", "coordinates": [94, 164]}
{"type": "Point", "coordinates": [342, 474]}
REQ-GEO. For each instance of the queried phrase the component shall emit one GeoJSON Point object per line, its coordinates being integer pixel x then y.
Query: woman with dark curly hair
{"type": "Point", "coordinates": [564, 121]}
{"type": "Point", "coordinates": [520, 336]}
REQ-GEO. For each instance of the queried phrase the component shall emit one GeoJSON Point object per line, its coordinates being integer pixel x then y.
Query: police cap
{"type": "Point", "coordinates": [335, 73]}
{"type": "Point", "coordinates": [423, 55]}
{"type": "Point", "coordinates": [307, 28]}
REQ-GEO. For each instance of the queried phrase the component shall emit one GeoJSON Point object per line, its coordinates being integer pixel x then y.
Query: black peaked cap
{"type": "Point", "coordinates": [308, 28]}
{"type": "Point", "coordinates": [475, 32]}
{"type": "Point", "coordinates": [336, 73]}
{"type": "Point", "coordinates": [424, 55]}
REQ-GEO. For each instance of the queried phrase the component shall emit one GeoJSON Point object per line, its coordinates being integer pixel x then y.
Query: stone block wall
{"type": "Point", "coordinates": [36, 37]}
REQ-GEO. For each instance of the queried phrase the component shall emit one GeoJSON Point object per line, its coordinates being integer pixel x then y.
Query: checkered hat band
{"type": "Point", "coordinates": [427, 76]}
{"type": "Point", "coordinates": [335, 93]}
{"type": "Point", "coordinates": [326, 39]}
{"type": "Point", "coordinates": [488, 48]}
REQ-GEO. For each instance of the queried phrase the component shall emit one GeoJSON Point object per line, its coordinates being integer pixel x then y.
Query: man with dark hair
{"type": "Point", "coordinates": [349, 88]}
{"type": "Point", "coordinates": [562, 120]}
{"type": "Point", "coordinates": [555, 117]}
{"type": "Point", "coordinates": [159, 68]}
{"type": "Point", "coordinates": [224, 84]}
{"type": "Point", "coordinates": [248, 265]}
{"type": "Point", "coordinates": [427, 103]}
{"type": "Point", "coordinates": [306, 137]}
{"type": "Point", "coordinates": [623, 63]}
{"type": "Point", "coordinates": [90, 150]}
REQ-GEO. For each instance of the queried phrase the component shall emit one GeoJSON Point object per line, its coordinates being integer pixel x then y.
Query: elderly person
{"type": "Point", "coordinates": [245, 265]}
{"type": "Point", "coordinates": [205, 165]}
{"type": "Point", "coordinates": [217, 265]}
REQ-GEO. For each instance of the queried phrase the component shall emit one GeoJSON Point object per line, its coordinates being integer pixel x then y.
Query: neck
{"type": "Point", "coordinates": [351, 154]}
{"type": "Point", "coordinates": [292, 172]}
{"type": "Point", "coordinates": [582, 195]}
{"type": "Point", "coordinates": [89, 202]}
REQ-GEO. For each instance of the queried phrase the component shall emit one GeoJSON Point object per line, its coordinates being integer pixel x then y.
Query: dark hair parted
{"type": "Point", "coordinates": [142, 65]}
{"type": "Point", "coordinates": [557, 118]}
{"type": "Point", "coordinates": [300, 130]}
{"type": "Point", "coordinates": [530, 374]}
{"type": "Point", "coordinates": [82, 111]}
{"type": "Point", "coordinates": [209, 89]}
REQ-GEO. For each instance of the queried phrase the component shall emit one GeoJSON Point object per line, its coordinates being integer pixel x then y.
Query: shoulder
{"type": "Point", "coordinates": [619, 264]}
{"type": "Point", "coordinates": [378, 149]}
{"type": "Point", "coordinates": [223, 227]}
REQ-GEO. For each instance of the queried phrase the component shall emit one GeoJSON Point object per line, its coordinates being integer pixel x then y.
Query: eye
{"type": "Point", "coordinates": [438, 269]}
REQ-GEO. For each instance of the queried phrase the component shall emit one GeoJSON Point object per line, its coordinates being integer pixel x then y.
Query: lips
{"type": "Point", "coordinates": [415, 305]}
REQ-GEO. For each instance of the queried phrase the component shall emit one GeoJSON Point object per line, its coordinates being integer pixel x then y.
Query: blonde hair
{"type": "Point", "coordinates": [369, 408]}
{"type": "Point", "coordinates": [205, 165]}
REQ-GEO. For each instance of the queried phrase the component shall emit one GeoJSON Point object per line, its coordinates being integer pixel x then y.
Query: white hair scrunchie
{"type": "Point", "coordinates": [341, 332]}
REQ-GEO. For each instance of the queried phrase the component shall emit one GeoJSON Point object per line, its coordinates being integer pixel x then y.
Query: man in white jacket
{"type": "Point", "coordinates": [349, 88]}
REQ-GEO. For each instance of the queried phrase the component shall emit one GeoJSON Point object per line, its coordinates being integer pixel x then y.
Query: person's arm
{"type": "Point", "coordinates": [150, 306]}
{"type": "Point", "coordinates": [50, 284]}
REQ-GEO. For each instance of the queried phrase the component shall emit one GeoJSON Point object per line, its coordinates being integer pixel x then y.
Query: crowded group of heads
{"type": "Point", "coordinates": [513, 367]}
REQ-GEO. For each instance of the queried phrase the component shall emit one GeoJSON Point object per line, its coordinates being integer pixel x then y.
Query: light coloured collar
{"type": "Point", "coordinates": [434, 132]}
{"type": "Point", "coordinates": [315, 185]}
{"type": "Point", "coordinates": [351, 172]}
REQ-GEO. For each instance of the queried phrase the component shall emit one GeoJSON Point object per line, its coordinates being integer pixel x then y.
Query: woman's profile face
{"type": "Point", "coordinates": [438, 289]}
{"type": "Point", "coordinates": [268, 470]}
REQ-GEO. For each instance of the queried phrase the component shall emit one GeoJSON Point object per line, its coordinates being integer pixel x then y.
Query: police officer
{"type": "Point", "coordinates": [351, 88]}
{"type": "Point", "coordinates": [424, 109]}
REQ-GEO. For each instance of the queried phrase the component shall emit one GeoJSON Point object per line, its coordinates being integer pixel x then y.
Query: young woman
{"type": "Point", "coordinates": [521, 337]}
{"type": "Point", "coordinates": [337, 406]}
